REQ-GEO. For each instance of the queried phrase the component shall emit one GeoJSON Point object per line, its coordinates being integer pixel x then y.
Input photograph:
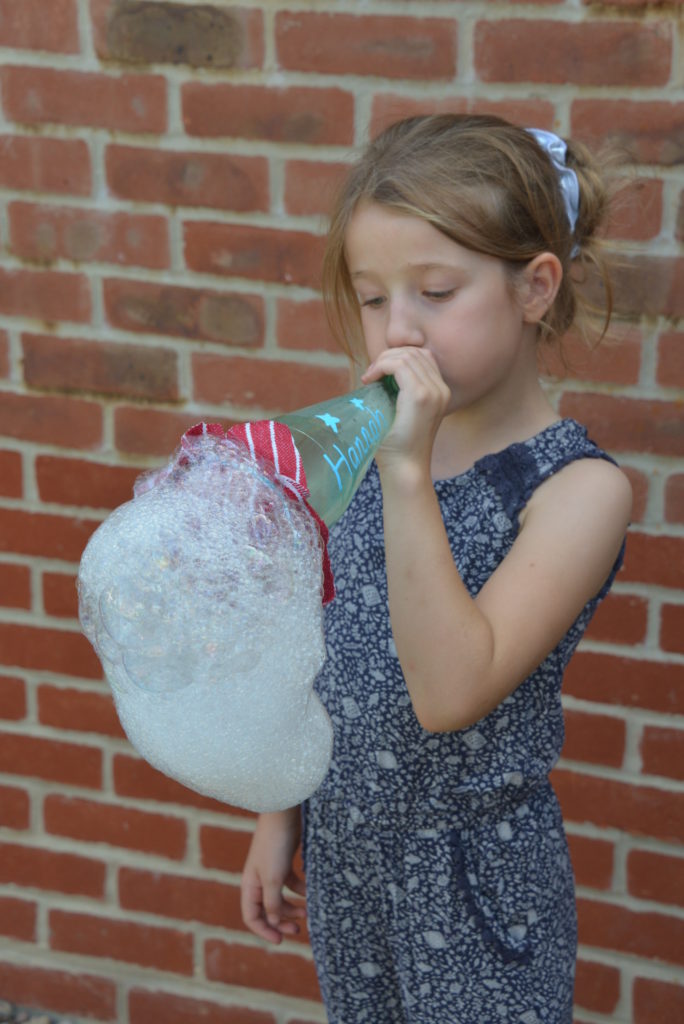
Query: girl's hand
{"type": "Point", "coordinates": [268, 869]}
{"type": "Point", "coordinates": [421, 405]}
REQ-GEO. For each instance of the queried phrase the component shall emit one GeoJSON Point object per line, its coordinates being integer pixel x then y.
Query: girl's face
{"type": "Point", "coordinates": [417, 287]}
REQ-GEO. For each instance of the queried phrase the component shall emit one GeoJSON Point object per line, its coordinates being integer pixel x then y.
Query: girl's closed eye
{"type": "Point", "coordinates": [374, 302]}
{"type": "Point", "coordinates": [439, 295]}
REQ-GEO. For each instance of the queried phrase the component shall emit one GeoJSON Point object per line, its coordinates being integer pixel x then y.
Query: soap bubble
{"type": "Point", "coordinates": [202, 599]}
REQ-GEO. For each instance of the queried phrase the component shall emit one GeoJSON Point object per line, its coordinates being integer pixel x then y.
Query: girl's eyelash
{"type": "Point", "coordinates": [445, 294]}
{"type": "Point", "coordinates": [373, 303]}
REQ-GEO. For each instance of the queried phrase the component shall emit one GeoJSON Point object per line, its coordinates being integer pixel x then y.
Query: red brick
{"type": "Point", "coordinates": [674, 498]}
{"type": "Point", "coordinates": [136, 778]}
{"type": "Point", "coordinates": [45, 295]}
{"type": "Point", "coordinates": [199, 314]}
{"type": "Point", "coordinates": [14, 808]}
{"type": "Point", "coordinates": [37, 533]}
{"type": "Point", "coordinates": [662, 751]}
{"type": "Point", "coordinates": [620, 619]}
{"type": "Point", "coordinates": [38, 164]}
{"type": "Point", "coordinates": [59, 595]}
{"type": "Point", "coordinates": [151, 431]}
{"type": "Point", "coordinates": [626, 682]}
{"type": "Point", "coordinates": [115, 825]}
{"type": "Point", "coordinates": [11, 473]}
{"type": "Point", "coordinates": [4, 354]}
{"type": "Point", "coordinates": [80, 482]}
{"type": "Point", "coordinates": [390, 107]}
{"type": "Point", "coordinates": [303, 325]}
{"type": "Point", "coordinates": [648, 132]}
{"type": "Point", "coordinates": [597, 986]}
{"type": "Point", "coordinates": [272, 386]}
{"type": "Point", "coordinates": [224, 182]}
{"type": "Point", "coordinates": [15, 585]}
{"type": "Point", "coordinates": [165, 1008]}
{"type": "Point", "coordinates": [310, 186]}
{"type": "Point", "coordinates": [628, 424]}
{"type": "Point", "coordinates": [261, 254]}
{"type": "Point", "coordinates": [31, 25]}
{"type": "Point", "coordinates": [45, 233]}
{"type": "Point", "coordinates": [59, 991]}
{"type": "Point", "coordinates": [672, 628]}
{"type": "Point", "coordinates": [34, 868]}
{"type": "Point", "coordinates": [51, 419]}
{"type": "Point", "coordinates": [100, 367]}
{"type": "Point", "coordinates": [79, 710]}
{"type": "Point", "coordinates": [126, 103]}
{"type": "Point", "coordinates": [313, 116]}
{"type": "Point", "coordinates": [593, 861]}
{"type": "Point", "coordinates": [162, 948]}
{"type": "Point", "coordinates": [617, 360]}
{"type": "Point", "coordinates": [596, 739]}
{"type": "Point", "coordinates": [49, 650]}
{"type": "Point", "coordinates": [186, 899]}
{"type": "Point", "coordinates": [657, 1002]}
{"type": "Point", "coordinates": [655, 559]}
{"type": "Point", "coordinates": [12, 698]}
{"type": "Point", "coordinates": [585, 53]}
{"type": "Point", "coordinates": [200, 35]}
{"type": "Point", "coordinates": [637, 211]}
{"type": "Point", "coordinates": [639, 810]}
{"type": "Point", "coordinates": [69, 763]}
{"type": "Point", "coordinates": [670, 372]}
{"type": "Point", "coordinates": [288, 974]}
{"type": "Point", "coordinates": [344, 44]}
{"type": "Point", "coordinates": [649, 286]}
{"type": "Point", "coordinates": [639, 483]}
{"type": "Point", "coordinates": [224, 849]}
{"type": "Point", "coordinates": [645, 934]}
{"type": "Point", "coordinates": [18, 919]}
{"type": "Point", "coordinates": [656, 876]}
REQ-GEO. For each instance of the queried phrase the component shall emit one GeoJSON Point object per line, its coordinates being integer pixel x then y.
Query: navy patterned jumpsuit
{"type": "Point", "coordinates": [439, 886]}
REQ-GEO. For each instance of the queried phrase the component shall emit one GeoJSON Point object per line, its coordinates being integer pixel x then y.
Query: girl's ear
{"type": "Point", "coordinates": [542, 277]}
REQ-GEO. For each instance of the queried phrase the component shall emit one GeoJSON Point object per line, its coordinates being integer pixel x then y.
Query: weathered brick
{"type": "Point", "coordinates": [271, 386]}
{"type": "Point", "coordinates": [48, 650]}
{"type": "Point", "coordinates": [310, 185]}
{"type": "Point", "coordinates": [180, 897]}
{"type": "Point", "coordinates": [135, 778]}
{"type": "Point", "coordinates": [626, 682]}
{"type": "Point", "coordinates": [662, 751]}
{"type": "Point", "coordinates": [657, 1001]}
{"type": "Point", "coordinates": [165, 949]}
{"type": "Point", "coordinates": [344, 44]}
{"type": "Point", "coordinates": [303, 325]}
{"type": "Point", "coordinates": [65, 707]}
{"type": "Point", "coordinates": [45, 165]}
{"type": "Point", "coordinates": [616, 360]}
{"type": "Point", "coordinates": [51, 419]}
{"type": "Point", "coordinates": [645, 934]}
{"type": "Point", "coordinates": [11, 473]}
{"type": "Point", "coordinates": [100, 367]}
{"type": "Point", "coordinates": [655, 558]}
{"type": "Point", "coordinates": [596, 739]}
{"type": "Point", "coordinates": [59, 991]}
{"type": "Point", "coordinates": [224, 849]}
{"type": "Point", "coordinates": [597, 986]}
{"type": "Point", "coordinates": [648, 132]}
{"type": "Point", "coordinates": [221, 181]}
{"type": "Point", "coordinates": [655, 876]}
{"type": "Point", "coordinates": [258, 253]}
{"type": "Point", "coordinates": [390, 107]}
{"type": "Point", "coordinates": [115, 825]}
{"type": "Point", "coordinates": [44, 535]}
{"type": "Point", "coordinates": [14, 810]}
{"type": "Point", "coordinates": [59, 595]}
{"type": "Point", "coordinates": [593, 861]}
{"type": "Point", "coordinates": [46, 233]}
{"type": "Point", "coordinates": [670, 371]}
{"type": "Point", "coordinates": [35, 25]}
{"type": "Point", "coordinates": [285, 973]}
{"type": "Point", "coordinates": [4, 354]}
{"type": "Point", "coordinates": [620, 619]}
{"type": "Point", "coordinates": [674, 498]}
{"type": "Point", "coordinates": [127, 103]}
{"type": "Point", "coordinates": [672, 628]}
{"type": "Point", "coordinates": [32, 867]}
{"type": "Point", "coordinates": [80, 482]}
{"type": "Point", "coordinates": [139, 431]}
{"type": "Point", "coordinates": [18, 919]}
{"type": "Point", "coordinates": [637, 211]}
{"type": "Point", "coordinates": [15, 585]}
{"type": "Point", "coordinates": [45, 295]}
{"type": "Point", "coordinates": [628, 424]}
{"type": "Point", "coordinates": [12, 699]}
{"type": "Point", "coordinates": [201, 35]}
{"type": "Point", "coordinates": [229, 318]}
{"type": "Point", "coordinates": [321, 116]}
{"type": "Point", "coordinates": [37, 757]}
{"type": "Point", "coordinates": [585, 53]}
{"type": "Point", "coordinates": [145, 1006]}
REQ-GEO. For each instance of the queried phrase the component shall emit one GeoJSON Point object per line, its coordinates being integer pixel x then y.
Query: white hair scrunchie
{"type": "Point", "coordinates": [568, 182]}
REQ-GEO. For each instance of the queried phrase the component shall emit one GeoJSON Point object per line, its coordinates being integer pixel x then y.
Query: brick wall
{"type": "Point", "coordinates": [164, 168]}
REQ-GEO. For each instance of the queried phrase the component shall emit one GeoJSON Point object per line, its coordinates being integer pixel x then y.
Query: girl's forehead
{"type": "Point", "coordinates": [389, 232]}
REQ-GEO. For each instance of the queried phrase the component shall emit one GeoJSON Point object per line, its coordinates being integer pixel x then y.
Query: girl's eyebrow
{"type": "Point", "coordinates": [410, 266]}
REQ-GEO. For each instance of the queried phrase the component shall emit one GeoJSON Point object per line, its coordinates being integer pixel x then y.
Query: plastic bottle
{"type": "Point", "coordinates": [337, 441]}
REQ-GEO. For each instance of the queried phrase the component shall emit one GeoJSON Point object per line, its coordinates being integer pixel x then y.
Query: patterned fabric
{"type": "Point", "coordinates": [439, 886]}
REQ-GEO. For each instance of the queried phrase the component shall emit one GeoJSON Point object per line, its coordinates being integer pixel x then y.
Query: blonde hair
{"type": "Point", "coordinates": [487, 185]}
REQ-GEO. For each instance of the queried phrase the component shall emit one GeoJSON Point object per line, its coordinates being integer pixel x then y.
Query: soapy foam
{"type": "Point", "coordinates": [202, 599]}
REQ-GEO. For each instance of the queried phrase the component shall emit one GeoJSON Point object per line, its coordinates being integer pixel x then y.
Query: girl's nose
{"type": "Point", "coordinates": [402, 327]}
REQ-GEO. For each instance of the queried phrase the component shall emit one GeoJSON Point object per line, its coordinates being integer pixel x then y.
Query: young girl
{"type": "Point", "coordinates": [439, 888]}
